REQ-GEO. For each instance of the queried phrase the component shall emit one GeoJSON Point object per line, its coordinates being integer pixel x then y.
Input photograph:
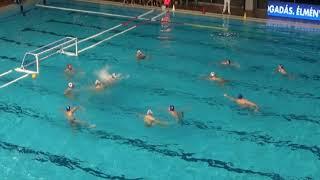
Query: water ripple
{"type": "Point", "coordinates": [60, 160]}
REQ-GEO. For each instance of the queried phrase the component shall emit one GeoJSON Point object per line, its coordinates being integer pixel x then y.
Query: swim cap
{"type": "Point", "coordinates": [97, 82]}
{"type": "Point", "coordinates": [280, 65]}
{"type": "Point", "coordinates": [70, 85]}
{"type": "Point", "coordinates": [149, 112]}
{"type": "Point", "coordinates": [171, 107]}
{"type": "Point", "coordinates": [228, 61]}
{"type": "Point", "coordinates": [138, 51]}
{"type": "Point", "coordinates": [69, 66]}
{"type": "Point", "coordinates": [68, 108]}
{"type": "Point", "coordinates": [114, 75]}
{"type": "Point", "coordinates": [240, 96]}
{"type": "Point", "coordinates": [212, 74]}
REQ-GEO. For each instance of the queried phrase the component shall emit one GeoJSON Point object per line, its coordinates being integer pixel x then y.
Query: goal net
{"type": "Point", "coordinates": [32, 59]}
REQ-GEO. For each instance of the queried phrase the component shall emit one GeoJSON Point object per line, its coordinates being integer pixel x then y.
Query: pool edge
{"type": "Point", "coordinates": [208, 14]}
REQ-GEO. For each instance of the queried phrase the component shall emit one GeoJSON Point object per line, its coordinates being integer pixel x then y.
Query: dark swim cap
{"type": "Point", "coordinates": [171, 107]}
{"type": "Point", "coordinates": [68, 108]}
{"type": "Point", "coordinates": [240, 96]}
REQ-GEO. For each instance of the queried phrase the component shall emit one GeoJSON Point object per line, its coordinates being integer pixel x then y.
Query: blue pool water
{"type": "Point", "coordinates": [217, 139]}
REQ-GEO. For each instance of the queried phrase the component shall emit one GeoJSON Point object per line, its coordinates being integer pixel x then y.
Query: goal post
{"type": "Point", "coordinates": [30, 64]}
{"type": "Point", "coordinates": [31, 60]}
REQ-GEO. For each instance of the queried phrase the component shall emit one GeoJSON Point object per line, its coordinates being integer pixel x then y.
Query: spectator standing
{"type": "Point", "coordinates": [226, 3]}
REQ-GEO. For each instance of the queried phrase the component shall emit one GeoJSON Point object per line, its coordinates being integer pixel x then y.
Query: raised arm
{"type": "Point", "coordinates": [229, 97]}
{"type": "Point", "coordinates": [74, 109]}
{"type": "Point", "coordinates": [256, 107]}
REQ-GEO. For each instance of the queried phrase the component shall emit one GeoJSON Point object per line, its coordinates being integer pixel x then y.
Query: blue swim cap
{"type": "Point", "coordinates": [171, 107]}
{"type": "Point", "coordinates": [68, 108]}
{"type": "Point", "coordinates": [240, 96]}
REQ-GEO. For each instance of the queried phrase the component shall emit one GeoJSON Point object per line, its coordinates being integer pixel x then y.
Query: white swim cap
{"type": "Point", "coordinates": [114, 75]}
{"type": "Point", "coordinates": [70, 85]}
{"type": "Point", "coordinates": [138, 51]}
{"type": "Point", "coordinates": [97, 82]}
{"type": "Point", "coordinates": [149, 112]}
{"type": "Point", "coordinates": [212, 74]}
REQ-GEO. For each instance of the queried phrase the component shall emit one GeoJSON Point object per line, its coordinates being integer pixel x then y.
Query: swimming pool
{"type": "Point", "coordinates": [217, 139]}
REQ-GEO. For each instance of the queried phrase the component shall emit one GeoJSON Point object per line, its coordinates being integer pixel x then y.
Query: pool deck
{"type": "Point", "coordinates": [5, 3]}
{"type": "Point", "coordinates": [10, 8]}
{"type": "Point", "coordinates": [198, 13]}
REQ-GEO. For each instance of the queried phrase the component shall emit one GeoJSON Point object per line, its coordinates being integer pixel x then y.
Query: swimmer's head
{"type": "Point", "coordinates": [97, 82]}
{"type": "Point", "coordinates": [171, 108]}
{"type": "Point", "coordinates": [149, 112]}
{"type": "Point", "coordinates": [212, 74]}
{"type": "Point", "coordinates": [228, 61]}
{"type": "Point", "coordinates": [69, 67]}
{"type": "Point", "coordinates": [240, 96]}
{"type": "Point", "coordinates": [114, 76]}
{"type": "Point", "coordinates": [165, 19]}
{"type": "Point", "coordinates": [70, 85]}
{"type": "Point", "coordinates": [68, 108]}
{"type": "Point", "coordinates": [139, 51]}
{"type": "Point", "coordinates": [280, 66]}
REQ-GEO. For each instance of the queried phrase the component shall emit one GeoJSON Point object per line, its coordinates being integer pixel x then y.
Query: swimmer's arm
{"type": "Point", "coordinates": [83, 123]}
{"type": "Point", "coordinates": [205, 77]}
{"type": "Point", "coordinates": [74, 109]}
{"type": "Point", "coordinates": [235, 65]}
{"type": "Point", "coordinates": [68, 91]}
{"type": "Point", "coordinates": [229, 97]}
{"type": "Point", "coordinates": [253, 105]}
{"type": "Point", "coordinates": [222, 80]}
{"type": "Point", "coordinates": [256, 107]}
{"type": "Point", "coordinates": [163, 123]}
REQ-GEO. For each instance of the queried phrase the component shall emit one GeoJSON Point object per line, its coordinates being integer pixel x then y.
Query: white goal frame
{"type": "Point", "coordinates": [48, 50]}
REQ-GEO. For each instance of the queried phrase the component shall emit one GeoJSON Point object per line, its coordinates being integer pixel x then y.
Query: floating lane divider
{"type": "Point", "coordinates": [110, 29]}
{"type": "Point", "coordinates": [13, 81]}
{"type": "Point", "coordinates": [204, 26]}
{"type": "Point", "coordinates": [5, 73]}
{"type": "Point", "coordinates": [93, 12]}
{"type": "Point", "coordinates": [144, 14]}
{"type": "Point", "coordinates": [132, 17]}
{"type": "Point", "coordinates": [83, 11]}
{"type": "Point", "coordinates": [93, 36]}
{"type": "Point", "coordinates": [117, 34]}
{"type": "Point", "coordinates": [100, 33]}
{"type": "Point", "coordinates": [161, 14]}
{"type": "Point", "coordinates": [106, 39]}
